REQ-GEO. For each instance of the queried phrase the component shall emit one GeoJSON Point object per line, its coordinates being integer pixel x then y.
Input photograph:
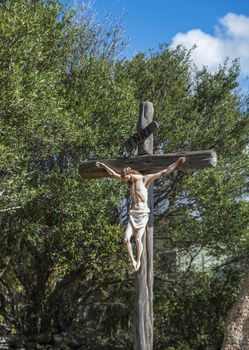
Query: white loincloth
{"type": "Point", "coordinates": [139, 219]}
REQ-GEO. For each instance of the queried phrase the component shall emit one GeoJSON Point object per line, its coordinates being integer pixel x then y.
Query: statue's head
{"type": "Point", "coordinates": [126, 174]}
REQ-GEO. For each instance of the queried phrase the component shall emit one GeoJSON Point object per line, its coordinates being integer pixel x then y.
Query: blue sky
{"type": "Point", "coordinates": [219, 28]}
{"type": "Point", "coordinates": [149, 23]}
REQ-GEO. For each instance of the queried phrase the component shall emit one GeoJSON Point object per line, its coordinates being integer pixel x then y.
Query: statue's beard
{"type": "Point", "coordinates": [128, 181]}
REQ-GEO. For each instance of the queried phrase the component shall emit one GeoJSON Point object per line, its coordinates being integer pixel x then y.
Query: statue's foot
{"type": "Point", "coordinates": [137, 266]}
{"type": "Point", "coordinates": [134, 263]}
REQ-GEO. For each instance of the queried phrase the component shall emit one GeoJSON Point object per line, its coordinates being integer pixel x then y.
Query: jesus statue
{"type": "Point", "coordinates": [139, 211]}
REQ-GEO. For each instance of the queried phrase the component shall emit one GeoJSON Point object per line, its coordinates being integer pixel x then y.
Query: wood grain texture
{"type": "Point", "coordinates": [149, 163]}
{"type": "Point", "coordinates": [146, 112]}
{"type": "Point", "coordinates": [144, 276]}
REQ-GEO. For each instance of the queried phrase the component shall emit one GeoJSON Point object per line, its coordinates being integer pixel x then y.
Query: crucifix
{"type": "Point", "coordinates": [140, 172]}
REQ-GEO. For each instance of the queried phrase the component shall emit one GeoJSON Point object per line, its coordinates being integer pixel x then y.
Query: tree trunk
{"type": "Point", "coordinates": [237, 325]}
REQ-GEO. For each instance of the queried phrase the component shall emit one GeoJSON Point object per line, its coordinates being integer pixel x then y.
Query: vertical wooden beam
{"type": "Point", "coordinates": [144, 277]}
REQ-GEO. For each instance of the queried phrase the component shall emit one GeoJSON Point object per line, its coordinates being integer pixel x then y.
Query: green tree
{"type": "Point", "coordinates": [59, 102]}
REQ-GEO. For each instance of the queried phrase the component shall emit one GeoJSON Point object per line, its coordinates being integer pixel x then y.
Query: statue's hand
{"type": "Point", "coordinates": [182, 160]}
{"type": "Point", "coordinates": [99, 165]}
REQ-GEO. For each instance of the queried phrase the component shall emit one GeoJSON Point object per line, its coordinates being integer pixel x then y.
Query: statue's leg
{"type": "Point", "coordinates": [127, 240]}
{"type": "Point", "coordinates": [139, 236]}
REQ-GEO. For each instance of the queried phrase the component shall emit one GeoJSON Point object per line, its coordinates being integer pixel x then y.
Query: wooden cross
{"type": "Point", "coordinates": [146, 162]}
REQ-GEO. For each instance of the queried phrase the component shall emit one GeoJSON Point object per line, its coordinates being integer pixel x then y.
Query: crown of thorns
{"type": "Point", "coordinates": [126, 171]}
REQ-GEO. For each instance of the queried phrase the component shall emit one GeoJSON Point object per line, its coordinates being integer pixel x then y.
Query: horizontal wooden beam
{"type": "Point", "coordinates": [148, 164]}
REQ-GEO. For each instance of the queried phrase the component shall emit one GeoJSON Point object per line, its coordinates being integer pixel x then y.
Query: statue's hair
{"type": "Point", "coordinates": [129, 171]}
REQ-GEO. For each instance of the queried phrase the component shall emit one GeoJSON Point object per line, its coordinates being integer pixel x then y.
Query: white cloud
{"type": "Point", "coordinates": [236, 26]}
{"type": "Point", "coordinates": [230, 39]}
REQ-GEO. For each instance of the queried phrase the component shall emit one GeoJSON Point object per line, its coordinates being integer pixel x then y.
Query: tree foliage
{"type": "Point", "coordinates": [65, 97]}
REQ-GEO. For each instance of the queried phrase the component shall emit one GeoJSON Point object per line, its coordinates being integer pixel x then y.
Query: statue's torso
{"type": "Point", "coordinates": [139, 195]}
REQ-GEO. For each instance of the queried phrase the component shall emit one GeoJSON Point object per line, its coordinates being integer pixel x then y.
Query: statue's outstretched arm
{"type": "Point", "coordinates": [108, 169]}
{"type": "Point", "coordinates": [148, 179]}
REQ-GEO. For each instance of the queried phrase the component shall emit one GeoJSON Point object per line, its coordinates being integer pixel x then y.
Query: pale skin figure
{"type": "Point", "coordinates": [139, 212]}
